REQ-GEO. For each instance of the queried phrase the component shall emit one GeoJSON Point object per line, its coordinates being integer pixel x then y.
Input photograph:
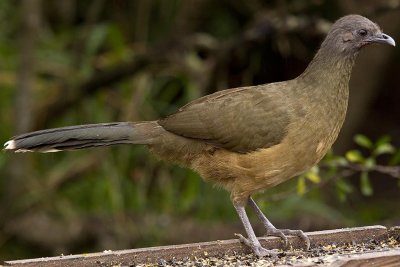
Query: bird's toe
{"type": "Point", "coordinates": [278, 233]}
{"type": "Point", "coordinates": [300, 234]}
{"type": "Point", "coordinates": [256, 247]}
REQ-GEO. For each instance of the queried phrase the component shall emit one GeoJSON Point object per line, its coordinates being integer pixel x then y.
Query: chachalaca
{"type": "Point", "coordinates": [244, 139]}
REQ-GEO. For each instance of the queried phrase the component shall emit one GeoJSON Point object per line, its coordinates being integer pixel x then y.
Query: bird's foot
{"type": "Point", "coordinates": [283, 232]}
{"type": "Point", "coordinates": [257, 248]}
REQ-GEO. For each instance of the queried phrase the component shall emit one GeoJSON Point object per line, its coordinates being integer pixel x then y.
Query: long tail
{"type": "Point", "coordinates": [83, 136]}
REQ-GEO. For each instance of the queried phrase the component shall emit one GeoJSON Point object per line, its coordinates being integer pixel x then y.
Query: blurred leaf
{"type": "Point", "coordinates": [301, 185]}
{"type": "Point", "coordinates": [335, 161]}
{"type": "Point", "coordinates": [341, 161]}
{"type": "Point", "coordinates": [383, 140]}
{"type": "Point", "coordinates": [313, 175]}
{"type": "Point", "coordinates": [370, 163]}
{"type": "Point", "coordinates": [363, 141]}
{"type": "Point", "coordinates": [384, 149]}
{"type": "Point", "coordinates": [366, 187]}
{"type": "Point", "coordinates": [354, 156]}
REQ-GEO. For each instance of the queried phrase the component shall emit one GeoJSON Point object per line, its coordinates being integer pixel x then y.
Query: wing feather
{"type": "Point", "coordinates": [241, 119]}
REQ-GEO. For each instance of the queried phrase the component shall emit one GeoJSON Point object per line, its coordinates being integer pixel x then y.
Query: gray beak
{"type": "Point", "coordinates": [383, 39]}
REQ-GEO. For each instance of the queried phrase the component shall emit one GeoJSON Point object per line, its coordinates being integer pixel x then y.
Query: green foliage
{"type": "Point", "coordinates": [365, 184]}
{"type": "Point", "coordinates": [354, 162]}
{"type": "Point", "coordinates": [354, 156]}
{"type": "Point", "coordinates": [311, 175]}
{"type": "Point", "coordinates": [363, 141]}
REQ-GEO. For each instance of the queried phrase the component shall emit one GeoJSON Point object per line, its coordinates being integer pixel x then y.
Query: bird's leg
{"type": "Point", "coordinates": [272, 231]}
{"type": "Point", "coordinates": [252, 240]}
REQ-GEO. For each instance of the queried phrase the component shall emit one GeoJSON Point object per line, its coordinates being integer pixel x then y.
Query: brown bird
{"type": "Point", "coordinates": [244, 139]}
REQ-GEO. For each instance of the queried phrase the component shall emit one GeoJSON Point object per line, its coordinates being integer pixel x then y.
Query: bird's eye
{"type": "Point", "coordinates": [362, 32]}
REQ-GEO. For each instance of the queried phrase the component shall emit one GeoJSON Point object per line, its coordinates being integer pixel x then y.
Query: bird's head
{"type": "Point", "coordinates": [350, 33]}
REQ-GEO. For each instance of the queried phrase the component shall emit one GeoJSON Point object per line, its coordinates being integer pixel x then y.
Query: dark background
{"type": "Point", "coordinates": [75, 62]}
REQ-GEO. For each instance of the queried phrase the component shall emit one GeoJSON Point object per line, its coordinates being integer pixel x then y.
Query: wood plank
{"type": "Point", "coordinates": [390, 258]}
{"type": "Point", "coordinates": [209, 249]}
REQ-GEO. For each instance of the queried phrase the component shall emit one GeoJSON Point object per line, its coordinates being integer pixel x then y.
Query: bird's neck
{"type": "Point", "coordinates": [329, 69]}
{"type": "Point", "coordinates": [324, 87]}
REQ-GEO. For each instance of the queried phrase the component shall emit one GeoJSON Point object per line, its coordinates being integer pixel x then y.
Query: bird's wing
{"type": "Point", "coordinates": [241, 119]}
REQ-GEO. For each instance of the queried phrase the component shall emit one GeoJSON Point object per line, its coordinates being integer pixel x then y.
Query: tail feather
{"type": "Point", "coordinates": [82, 136]}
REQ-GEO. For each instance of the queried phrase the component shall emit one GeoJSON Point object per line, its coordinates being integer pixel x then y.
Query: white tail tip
{"type": "Point", "coordinates": [10, 145]}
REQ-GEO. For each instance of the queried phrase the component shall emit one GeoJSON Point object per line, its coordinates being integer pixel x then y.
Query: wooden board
{"type": "Point", "coordinates": [231, 247]}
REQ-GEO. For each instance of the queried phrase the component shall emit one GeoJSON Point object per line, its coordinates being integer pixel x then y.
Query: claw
{"type": "Point", "coordinates": [300, 234]}
{"type": "Point", "coordinates": [243, 239]}
{"type": "Point", "coordinates": [283, 232]}
{"type": "Point", "coordinates": [257, 248]}
{"type": "Point", "coordinates": [278, 233]}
